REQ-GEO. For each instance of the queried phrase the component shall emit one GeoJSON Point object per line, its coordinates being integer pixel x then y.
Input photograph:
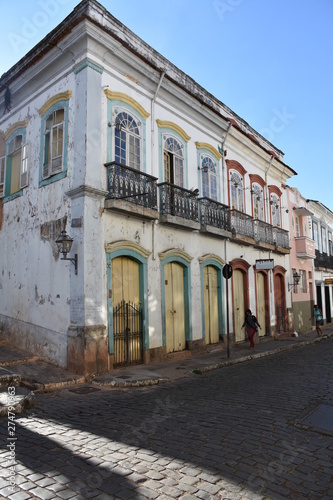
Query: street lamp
{"type": "Point", "coordinates": [64, 243]}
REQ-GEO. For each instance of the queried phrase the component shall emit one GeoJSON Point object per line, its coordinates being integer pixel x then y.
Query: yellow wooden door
{"type": "Point", "coordinates": [261, 317]}
{"type": "Point", "coordinates": [174, 307]}
{"type": "Point", "coordinates": [239, 309]}
{"type": "Point", "coordinates": [125, 290]}
{"type": "Point", "coordinates": [211, 305]}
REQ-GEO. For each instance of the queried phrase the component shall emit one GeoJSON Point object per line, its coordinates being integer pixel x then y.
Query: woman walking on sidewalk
{"type": "Point", "coordinates": [251, 324]}
{"type": "Point", "coordinates": [318, 315]}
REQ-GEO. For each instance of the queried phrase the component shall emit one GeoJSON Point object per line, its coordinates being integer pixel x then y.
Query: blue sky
{"type": "Point", "coordinates": [270, 61]}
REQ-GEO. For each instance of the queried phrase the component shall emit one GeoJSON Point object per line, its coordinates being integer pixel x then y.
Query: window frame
{"type": "Point", "coordinates": [209, 176]}
{"type": "Point", "coordinates": [6, 169]}
{"type": "Point", "coordinates": [132, 141]}
{"type": "Point", "coordinates": [58, 173]}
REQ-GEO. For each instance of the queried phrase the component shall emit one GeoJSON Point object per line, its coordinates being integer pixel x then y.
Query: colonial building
{"type": "Point", "coordinates": [158, 184]}
{"type": "Point", "coordinates": [322, 227]}
{"type": "Point", "coordinates": [301, 279]}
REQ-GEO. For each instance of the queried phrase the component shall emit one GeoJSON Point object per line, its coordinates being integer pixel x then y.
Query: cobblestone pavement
{"type": "Point", "coordinates": [239, 432]}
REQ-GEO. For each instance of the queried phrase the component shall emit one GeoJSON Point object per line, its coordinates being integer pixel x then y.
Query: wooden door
{"type": "Point", "coordinates": [261, 316]}
{"type": "Point", "coordinates": [174, 307]}
{"type": "Point", "coordinates": [280, 311]}
{"type": "Point", "coordinates": [127, 327]}
{"type": "Point", "coordinates": [239, 309]}
{"type": "Point", "coordinates": [211, 305]}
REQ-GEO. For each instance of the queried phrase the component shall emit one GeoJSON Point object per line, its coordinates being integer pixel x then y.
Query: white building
{"type": "Point", "coordinates": [322, 228]}
{"type": "Point", "coordinates": [158, 183]}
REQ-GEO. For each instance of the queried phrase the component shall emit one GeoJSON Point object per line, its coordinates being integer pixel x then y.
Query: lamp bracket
{"type": "Point", "coordinates": [73, 260]}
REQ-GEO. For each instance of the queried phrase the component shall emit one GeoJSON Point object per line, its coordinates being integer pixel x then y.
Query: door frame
{"type": "Point", "coordinates": [179, 257]}
{"type": "Point", "coordinates": [218, 264]}
{"type": "Point", "coordinates": [266, 296]}
{"type": "Point", "coordinates": [243, 266]}
{"type": "Point", "coordinates": [140, 255]}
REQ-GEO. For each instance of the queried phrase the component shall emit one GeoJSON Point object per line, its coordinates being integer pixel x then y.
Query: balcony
{"type": "Point", "coordinates": [131, 191]}
{"type": "Point", "coordinates": [214, 218]}
{"type": "Point", "coordinates": [305, 248]}
{"type": "Point", "coordinates": [178, 206]}
{"type": "Point", "coordinates": [258, 233]}
{"type": "Point", "coordinates": [323, 261]}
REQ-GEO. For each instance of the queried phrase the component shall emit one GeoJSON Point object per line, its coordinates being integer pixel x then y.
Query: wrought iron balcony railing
{"type": "Point", "coordinates": [323, 260]}
{"type": "Point", "coordinates": [178, 201]}
{"type": "Point", "coordinates": [241, 223]}
{"type": "Point", "coordinates": [281, 237]}
{"type": "Point", "coordinates": [263, 232]}
{"type": "Point", "coordinates": [214, 214]}
{"type": "Point", "coordinates": [126, 183]}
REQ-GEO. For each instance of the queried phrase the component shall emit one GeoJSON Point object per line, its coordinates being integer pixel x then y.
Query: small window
{"type": "Point", "coordinates": [302, 281]}
{"type": "Point", "coordinates": [54, 143]}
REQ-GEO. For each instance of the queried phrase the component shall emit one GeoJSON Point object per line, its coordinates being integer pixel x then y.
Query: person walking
{"type": "Point", "coordinates": [318, 315]}
{"type": "Point", "coordinates": [250, 324]}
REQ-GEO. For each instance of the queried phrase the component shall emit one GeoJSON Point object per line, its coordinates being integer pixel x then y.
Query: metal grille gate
{"type": "Point", "coordinates": [127, 331]}
{"type": "Point", "coordinates": [280, 319]}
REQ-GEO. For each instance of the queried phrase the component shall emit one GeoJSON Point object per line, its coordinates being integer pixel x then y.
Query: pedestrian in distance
{"type": "Point", "coordinates": [251, 325]}
{"type": "Point", "coordinates": [318, 315]}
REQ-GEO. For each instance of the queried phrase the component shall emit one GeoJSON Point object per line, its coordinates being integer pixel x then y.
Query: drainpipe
{"type": "Point", "coordinates": [152, 151]}
{"type": "Point", "coordinates": [224, 197]}
{"type": "Point", "coordinates": [266, 187]}
{"type": "Point", "coordinates": [153, 121]}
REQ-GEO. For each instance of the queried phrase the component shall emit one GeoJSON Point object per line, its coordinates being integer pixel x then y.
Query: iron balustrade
{"type": "Point", "coordinates": [323, 260]}
{"type": "Point", "coordinates": [263, 232]}
{"type": "Point", "coordinates": [132, 185]}
{"type": "Point", "coordinates": [242, 223]}
{"type": "Point", "coordinates": [175, 200]}
{"type": "Point", "coordinates": [213, 213]}
{"type": "Point", "coordinates": [281, 237]}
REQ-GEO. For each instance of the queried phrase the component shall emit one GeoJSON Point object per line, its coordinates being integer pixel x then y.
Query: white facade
{"type": "Point", "coordinates": [98, 73]}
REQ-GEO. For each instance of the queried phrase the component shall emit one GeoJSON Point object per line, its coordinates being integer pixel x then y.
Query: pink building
{"type": "Point", "coordinates": [302, 254]}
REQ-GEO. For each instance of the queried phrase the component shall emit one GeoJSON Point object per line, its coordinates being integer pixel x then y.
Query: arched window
{"type": "Point", "coordinates": [127, 141]}
{"type": "Point", "coordinates": [275, 210]}
{"type": "Point", "coordinates": [257, 202]}
{"type": "Point", "coordinates": [209, 176]}
{"type": "Point", "coordinates": [236, 191]}
{"type": "Point", "coordinates": [173, 152]}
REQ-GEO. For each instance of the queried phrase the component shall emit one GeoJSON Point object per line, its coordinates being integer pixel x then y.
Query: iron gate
{"type": "Point", "coordinates": [127, 333]}
{"type": "Point", "coordinates": [280, 319]}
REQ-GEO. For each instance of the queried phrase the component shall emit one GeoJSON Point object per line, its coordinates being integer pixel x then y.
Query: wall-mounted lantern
{"type": "Point", "coordinates": [296, 278]}
{"type": "Point", "coordinates": [64, 243]}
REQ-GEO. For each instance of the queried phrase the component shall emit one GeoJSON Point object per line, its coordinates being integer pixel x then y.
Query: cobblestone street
{"type": "Point", "coordinates": [239, 432]}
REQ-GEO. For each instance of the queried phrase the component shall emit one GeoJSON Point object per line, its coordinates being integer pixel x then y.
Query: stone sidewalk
{"type": "Point", "coordinates": [34, 375]}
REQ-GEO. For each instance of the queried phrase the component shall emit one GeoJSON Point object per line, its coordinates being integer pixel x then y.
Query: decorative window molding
{"type": "Point", "coordinates": [54, 139]}
{"type": "Point", "coordinates": [205, 145]}
{"type": "Point", "coordinates": [14, 164]}
{"type": "Point", "coordinates": [173, 126]}
{"type": "Point", "coordinates": [63, 96]}
{"type": "Point", "coordinates": [120, 96]}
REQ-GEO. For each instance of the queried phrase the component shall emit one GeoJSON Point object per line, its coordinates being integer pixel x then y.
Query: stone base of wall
{"type": "Point", "coordinates": [87, 350]}
{"type": "Point", "coordinates": [46, 344]}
